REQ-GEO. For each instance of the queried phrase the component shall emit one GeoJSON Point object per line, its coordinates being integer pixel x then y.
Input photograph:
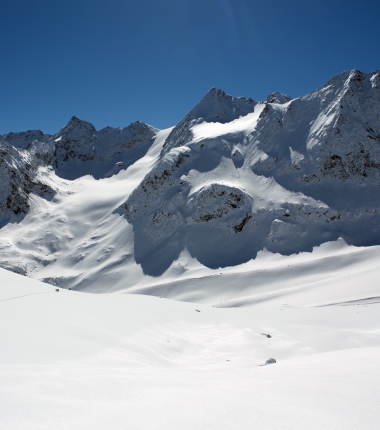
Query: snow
{"type": "Point", "coordinates": [295, 156]}
{"type": "Point", "coordinates": [76, 360]}
{"type": "Point", "coordinates": [209, 130]}
{"type": "Point", "coordinates": [231, 241]}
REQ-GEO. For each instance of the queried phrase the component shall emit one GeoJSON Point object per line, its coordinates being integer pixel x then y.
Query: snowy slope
{"type": "Point", "coordinates": [86, 361]}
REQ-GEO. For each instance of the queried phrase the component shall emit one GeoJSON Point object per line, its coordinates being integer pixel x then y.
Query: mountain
{"type": "Point", "coordinates": [104, 152]}
{"type": "Point", "coordinates": [284, 176]}
{"type": "Point", "coordinates": [25, 155]}
{"type": "Point", "coordinates": [216, 106]}
{"type": "Point", "coordinates": [235, 178]}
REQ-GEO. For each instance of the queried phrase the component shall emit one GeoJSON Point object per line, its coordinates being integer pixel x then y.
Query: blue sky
{"type": "Point", "coordinates": [118, 61]}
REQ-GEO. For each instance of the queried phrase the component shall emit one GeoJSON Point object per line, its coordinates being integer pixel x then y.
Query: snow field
{"type": "Point", "coordinates": [88, 361]}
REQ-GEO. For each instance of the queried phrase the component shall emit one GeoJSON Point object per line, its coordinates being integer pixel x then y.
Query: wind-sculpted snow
{"type": "Point", "coordinates": [130, 361]}
{"type": "Point", "coordinates": [244, 205]}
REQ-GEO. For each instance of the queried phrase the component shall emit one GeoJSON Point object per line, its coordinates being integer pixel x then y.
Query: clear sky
{"type": "Point", "coordinates": [112, 62]}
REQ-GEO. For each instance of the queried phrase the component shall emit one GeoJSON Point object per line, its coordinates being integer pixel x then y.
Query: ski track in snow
{"type": "Point", "coordinates": [24, 295]}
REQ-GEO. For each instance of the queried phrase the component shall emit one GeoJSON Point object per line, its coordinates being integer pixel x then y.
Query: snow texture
{"type": "Point", "coordinates": [91, 361]}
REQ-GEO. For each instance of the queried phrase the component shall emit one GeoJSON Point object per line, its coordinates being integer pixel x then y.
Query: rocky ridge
{"type": "Point", "coordinates": [101, 150]}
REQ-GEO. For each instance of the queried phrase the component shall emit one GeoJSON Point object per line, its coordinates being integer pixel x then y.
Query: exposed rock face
{"type": "Point", "coordinates": [24, 139]}
{"type": "Point", "coordinates": [79, 139]}
{"type": "Point", "coordinates": [19, 177]}
{"type": "Point", "coordinates": [75, 140]}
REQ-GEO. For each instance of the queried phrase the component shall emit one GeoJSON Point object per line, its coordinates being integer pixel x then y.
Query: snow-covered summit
{"type": "Point", "coordinates": [255, 206]}
{"type": "Point", "coordinates": [217, 106]}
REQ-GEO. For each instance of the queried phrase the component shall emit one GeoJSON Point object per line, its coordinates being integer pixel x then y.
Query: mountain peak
{"type": "Point", "coordinates": [24, 138]}
{"type": "Point", "coordinates": [77, 124]}
{"type": "Point", "coordinates": [278, 98]}
{"type": "Point", "coordinates": [215, 106]}
{"type": "Point", "coordinates": [141, 126]}
{"type": "Point", "coordinates": [214, 91]}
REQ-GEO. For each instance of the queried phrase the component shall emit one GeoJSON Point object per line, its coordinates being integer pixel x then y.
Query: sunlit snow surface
{"type": "Point", "coordinates": [72, 360]}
